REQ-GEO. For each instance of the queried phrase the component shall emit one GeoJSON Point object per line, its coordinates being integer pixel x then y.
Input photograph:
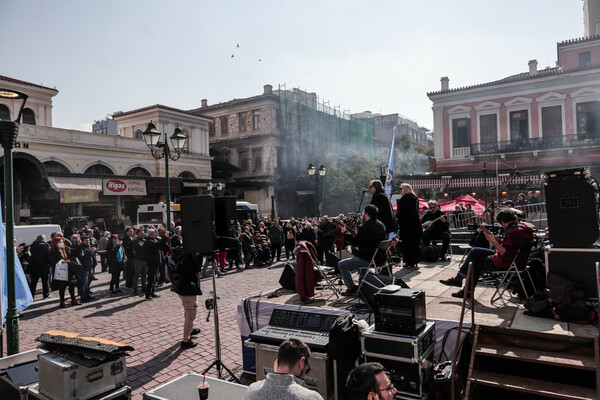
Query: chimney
{"type": "Point", "coordinates": [204, 103]}
{"type": "Point", "coordinates": [268, 89]}
{"type": "Point", "coordinates": [445, 83]}
{"type": "Point", "coordinates": [532, 67]}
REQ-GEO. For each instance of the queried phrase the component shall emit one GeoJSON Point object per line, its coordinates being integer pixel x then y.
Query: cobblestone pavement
{"type": "Point", "coordinates": [153, 327]}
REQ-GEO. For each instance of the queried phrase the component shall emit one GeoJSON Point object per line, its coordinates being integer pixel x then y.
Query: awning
{"type": "Point", "coordinates": [305, 192]}
{"type": "Point", "coordinates": [59, 183]}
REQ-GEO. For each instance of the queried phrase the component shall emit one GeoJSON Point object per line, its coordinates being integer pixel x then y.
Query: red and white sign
{"type": "Point", "coordinates": [124, 187]}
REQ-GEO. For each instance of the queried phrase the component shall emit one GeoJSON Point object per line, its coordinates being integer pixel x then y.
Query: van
{"type": "Point", "coordinates": [28, 233]}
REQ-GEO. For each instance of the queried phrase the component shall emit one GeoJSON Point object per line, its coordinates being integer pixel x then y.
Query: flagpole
{"type": "Point", "coordinates": [390, 170]}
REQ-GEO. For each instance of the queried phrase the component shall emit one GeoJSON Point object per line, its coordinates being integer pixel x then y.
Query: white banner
{"type": "Point", "coordinates": [124, 187]}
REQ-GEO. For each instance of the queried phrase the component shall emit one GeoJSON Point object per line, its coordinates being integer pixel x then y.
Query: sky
{"type": "Point", "coordinates": [382, 56]}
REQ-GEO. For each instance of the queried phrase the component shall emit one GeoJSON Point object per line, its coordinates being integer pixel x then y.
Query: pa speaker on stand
{"type": "Point", "coordinates": [197, 215]}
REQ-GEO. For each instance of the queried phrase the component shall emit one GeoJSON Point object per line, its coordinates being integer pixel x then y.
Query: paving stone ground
{"type": "Point", "coordinates": [153, 327]}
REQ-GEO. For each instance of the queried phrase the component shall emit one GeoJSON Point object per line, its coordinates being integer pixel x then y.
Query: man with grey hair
{"type": "Point", "coordinates": [153, 256]}
{"type": "Point", "coordinates": [102, 243]}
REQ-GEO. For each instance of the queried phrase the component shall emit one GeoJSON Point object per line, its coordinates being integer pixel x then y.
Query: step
{"type": "Point", "coordinates": [532, 386]}
{"type": "Point", "coordinates": [537, 356]}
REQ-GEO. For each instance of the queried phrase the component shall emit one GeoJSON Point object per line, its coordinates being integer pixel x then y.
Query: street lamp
{"type": "Point", "coordinates": [312, 170]}
{"type": "Point", "coordinates": [8, 137]}
{"type": "Point", "coordinates": [160, 150]}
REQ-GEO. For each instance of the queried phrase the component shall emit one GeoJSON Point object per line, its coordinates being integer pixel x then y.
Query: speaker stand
{"type": "Point", "coordinates": [217, 363]}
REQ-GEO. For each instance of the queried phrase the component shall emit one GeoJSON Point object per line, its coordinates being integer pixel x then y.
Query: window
{"type": "Point", "coordinates": [585, 59]}
{"type": "Point", "coordinates": [243, 157]}
{"type": "Point", "coordinates": [279, 157]}
{"type": "Point", "coordinates": [224, 125]}
{"type": "Point", "coordinates": [461, 129]}
{"type": "Point", "coordinates": [488, 132]}
{"type": "Point", "coordinates": [241, 121]}
{"type": "Point", "coordinates": [4, 113]}
{"type": "Point", "coordinates": [138, 134]}
{"type": "Point", "coordinates": [551, 123]}
{"type": "Point", "coordinates": [257, 159]}
{"type": "Point", "coordinates": [98, 169]}
{"type": "Point", "coordinates": [186, 175]}
{"type": "Point", "coordinates": [588, 118]}
{"type": "Point", "coordinates": [255, 119]}
{"type": "Point", "coordinates": [138, 171]}
{"type": "Point", "coordinates": [211, 129]}
{"type": "Point", "coordinates": [519, 127]}
{"type": "Point", "coordinates": [28, 116]}
{"type": "Point", "coordinates": [55, 167]}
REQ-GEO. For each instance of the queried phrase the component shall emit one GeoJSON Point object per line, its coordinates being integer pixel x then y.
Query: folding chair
{"type": "Point", "coordinates": [510, 273]}
{"type": "Point", "coordinates": [383, 246]}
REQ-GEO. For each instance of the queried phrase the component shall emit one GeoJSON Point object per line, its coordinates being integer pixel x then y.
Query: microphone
{"type": "Point", "coordinates": [364, 191]}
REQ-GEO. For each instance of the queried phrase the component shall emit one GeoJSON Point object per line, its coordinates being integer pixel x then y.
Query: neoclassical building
{"type": "Point", "coordinates": [61, 172]}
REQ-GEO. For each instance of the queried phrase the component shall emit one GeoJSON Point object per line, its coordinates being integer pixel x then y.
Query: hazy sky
{"type": "Point", "coordinates": [381, 56]}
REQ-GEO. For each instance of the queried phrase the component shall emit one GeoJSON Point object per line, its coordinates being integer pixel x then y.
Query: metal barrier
{"type": "Point", "coordinates": [534, 213]}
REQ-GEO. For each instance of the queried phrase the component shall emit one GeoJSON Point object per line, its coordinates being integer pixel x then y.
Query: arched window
{"type": "Point", "coordinates": [138, 171]}
{"type": "Point", "coordinates": [138, 134]}
{"type": "Point", "coordinates": [55, 167]}
{"type": "Point", "coordinates": [98, 169]}
{"type": "Point", "coordinates": [4, 113]}
{"type": "Point", "coordinates": [186, 175]}
{"type": "Point", "coordinates": [28, 116]}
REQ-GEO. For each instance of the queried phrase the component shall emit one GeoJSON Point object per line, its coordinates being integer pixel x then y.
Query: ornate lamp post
{"type": "Point", "coordinates": [160, 149]}
{"type": "Point", "coordinates": [8, 137]}
{"type": "Point", "coordinates": [312, 170]}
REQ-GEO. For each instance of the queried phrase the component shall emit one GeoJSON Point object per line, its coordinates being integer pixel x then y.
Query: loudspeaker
{"type": "Point", "coordinates": [197, 215]}
{"type": "Point", "coordinates": [288, 278]}
{"type": "Point", "coordinates": [225, 219]}
{"type": "Point", "coordinates": [372, 283]}
{"type": "Point", "coordinates": [577, 265]}
{"type": "Point", "coordinates": [572, 207]}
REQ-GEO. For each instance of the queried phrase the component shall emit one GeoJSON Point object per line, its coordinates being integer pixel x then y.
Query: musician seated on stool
{"type": "Point", "coordinates": [370, 233]}
{"type": "Point", "coordinates": [287, 380]}
{"type": "Point", "coordinates": [436, 227]}
{"type": "Point", "coordinates": [369, 382]}
{"type": "Point", "coordinates": [516, 234]}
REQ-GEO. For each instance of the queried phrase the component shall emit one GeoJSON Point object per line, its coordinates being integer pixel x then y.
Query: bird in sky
{"type": "Point", "coordinates": [233, 55]}
{"type": "Point", "coordinates": [238, 45]}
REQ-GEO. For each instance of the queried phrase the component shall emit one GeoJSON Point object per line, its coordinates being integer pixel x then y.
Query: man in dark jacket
{"type": "Point", "coordinates": [154, 259]}
{"type": "Point", "coordinates": [140, 270]}
{"type": "Point", "coordinates": [275, 236]}
{"type": "Point", "coordinates": [384, 205]}
{"type": "Point", "coordinates": [85, 254]}
{"type": "Point", "coordinates": [368, 237]}
{"type": "Point", "coordinates": [436, 227]}
{"type": "Point", "coordinates": [38, 265]}
{"type": "Point", "coordinates": [127, 243]}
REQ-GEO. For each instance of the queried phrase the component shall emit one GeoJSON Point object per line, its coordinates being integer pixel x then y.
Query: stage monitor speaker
{"type": "Point", "coordinates": [572, 208]}
{"type": "Point", "coordinates": [197, 216]}
{"type": "Point", "coordinates": [225, 220]}
{"type": "Point", "coordinates": [288, 278]}
{"type": "Point", "coordinates": [577, 265]}
{"type": "Point", "coordinates": [372, 283]}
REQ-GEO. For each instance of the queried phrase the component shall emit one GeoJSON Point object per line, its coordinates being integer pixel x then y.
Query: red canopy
{"type": "Point", "coordinates": [466, 199]}
{"type": "Point", "coordinates": [421, 204]}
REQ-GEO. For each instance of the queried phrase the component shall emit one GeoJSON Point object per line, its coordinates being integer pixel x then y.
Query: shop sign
{"type": "Point", "coordinates": [124, 187]}
{"type": "Point", "coordinates": [160, 186]}
{"type": "Point", "coordinates": [78, 196]}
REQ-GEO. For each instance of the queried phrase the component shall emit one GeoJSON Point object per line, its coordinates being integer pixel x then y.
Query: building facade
{"type": "Point", "coordinates": [61, 173]}
{"type": "Point", "coordinates": [508, 131]}
{"type": "Point", "coordinates": [273, 137]}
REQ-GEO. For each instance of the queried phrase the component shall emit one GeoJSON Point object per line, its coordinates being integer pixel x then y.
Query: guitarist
{"type": "Point", "coordinates": [436, 227]}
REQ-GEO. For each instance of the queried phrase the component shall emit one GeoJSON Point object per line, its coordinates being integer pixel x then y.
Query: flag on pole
{"type": "Point", "coordinates": [390, 170]}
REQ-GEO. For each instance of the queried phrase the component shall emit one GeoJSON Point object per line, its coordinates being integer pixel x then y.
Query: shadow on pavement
{"type": "Point", "coordinates": [157, 363]}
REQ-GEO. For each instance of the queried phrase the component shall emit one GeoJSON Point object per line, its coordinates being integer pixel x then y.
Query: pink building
{"type": "Point", "coordinates": [533, 121]}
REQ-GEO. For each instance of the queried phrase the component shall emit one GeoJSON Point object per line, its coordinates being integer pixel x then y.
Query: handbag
{"type": "Point", "coordinates": [61, 271]}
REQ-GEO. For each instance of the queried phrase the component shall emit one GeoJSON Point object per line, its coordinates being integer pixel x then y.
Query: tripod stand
{"type": "Point", "coordinates": [217, 363]}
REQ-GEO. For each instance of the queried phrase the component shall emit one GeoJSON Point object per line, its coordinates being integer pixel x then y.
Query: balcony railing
{"type": "Point", "coordinates": [543, 143]}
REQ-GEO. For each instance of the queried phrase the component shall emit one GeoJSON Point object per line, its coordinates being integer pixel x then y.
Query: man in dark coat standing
{"type": "Point", "coordinates": [127, 243]}
{"type": "Point", "coordinates": [384, 205]}
{"type": "Point", "coordinates": [154, 259]}
{"type": "Point", "coordinates": [38, 265]}
{"type": "Point", "coordinates": [410, 226]}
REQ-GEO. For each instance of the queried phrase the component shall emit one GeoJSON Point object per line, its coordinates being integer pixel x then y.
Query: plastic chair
{"type": "Point", "coordinates": [512, 271]}
{"type": "Point", "coordinates": [383, 246]}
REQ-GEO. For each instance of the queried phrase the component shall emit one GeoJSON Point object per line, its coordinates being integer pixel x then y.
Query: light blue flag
{"type": "Point", "coordinates": [390, 171]}
{"type": "Point", "coordinates": [23, 294]}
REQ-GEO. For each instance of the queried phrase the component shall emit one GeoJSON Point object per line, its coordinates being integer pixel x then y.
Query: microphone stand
{"type": "Point", "coordinates": [361, 200]}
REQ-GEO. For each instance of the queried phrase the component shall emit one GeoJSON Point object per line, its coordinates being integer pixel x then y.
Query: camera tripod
{"type": "Point", "coordinates": [212, 304]}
